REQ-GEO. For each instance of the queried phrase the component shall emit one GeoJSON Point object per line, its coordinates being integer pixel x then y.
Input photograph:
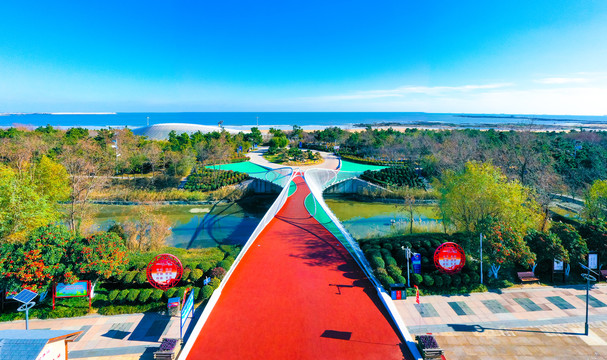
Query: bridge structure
{"type": "Point", "coordinates": [300, 288]}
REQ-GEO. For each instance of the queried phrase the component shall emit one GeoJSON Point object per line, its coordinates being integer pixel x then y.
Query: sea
{"type": "Point", "coordinates": [307, 120]}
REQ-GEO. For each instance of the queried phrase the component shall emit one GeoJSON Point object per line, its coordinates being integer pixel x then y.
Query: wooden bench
{"type": "Point", "coordinates": [527, 276]}
{"type": "Point", "coordinates": [603, 274]}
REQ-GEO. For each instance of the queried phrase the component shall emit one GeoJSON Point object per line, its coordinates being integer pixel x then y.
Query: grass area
{"type": "Point", "coordinates": [244, 167]}
{"type": "Point", "coordinates": [352, 166]}
{"type": "Point", "coordinates": [284, 160]}
{"type": "Point", "coordinates": [123, 193]}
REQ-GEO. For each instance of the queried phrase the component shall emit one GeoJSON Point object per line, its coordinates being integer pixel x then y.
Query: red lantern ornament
{"type": "Point", "coordinates": [449, 258]}
{"type": "Point", "coordinates": [164, 271]}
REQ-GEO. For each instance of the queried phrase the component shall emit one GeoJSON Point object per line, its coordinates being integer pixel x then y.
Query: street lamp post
{"type": "Point", "coordinates": [588, 278]}
{"type": "Point", "coordinates": [407, 257]}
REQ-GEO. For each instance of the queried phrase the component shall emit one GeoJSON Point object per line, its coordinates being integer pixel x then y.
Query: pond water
{"type": "Point", "coordinates": [368, 219]}
{"type": "Point", "coordinates": [197, 226]}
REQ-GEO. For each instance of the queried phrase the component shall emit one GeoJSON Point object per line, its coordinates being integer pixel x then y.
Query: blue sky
{"type": "Point", "coordinates": [532, 57]}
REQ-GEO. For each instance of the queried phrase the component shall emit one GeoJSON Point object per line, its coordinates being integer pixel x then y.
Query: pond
{"type": "Point", "coordinates": [368, 219]}
{"type": "Point", "coordinates": [197, 226]}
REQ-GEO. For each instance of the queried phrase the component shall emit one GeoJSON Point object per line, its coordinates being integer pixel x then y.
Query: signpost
{"type": "Point", "coordinates": [164, 271]}
{"type": "Point", "coordinates": [558, 267]}
{"type": "Point", "coordinates": [593, 260]}
{"type": "Point", "coordinates": [588, 278]}
{"type": "Point", "coordinates": [77, 289]}
{"type": "Point", "coordinates": [407, 257]}
{"type": "Point", "coordinates": [186, 311]}
{"type": "Point", "coordinates": [417, 263]}
{"type": "Point", "coordinates": [449, 258]}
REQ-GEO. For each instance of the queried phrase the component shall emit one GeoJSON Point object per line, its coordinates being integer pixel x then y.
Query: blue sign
{"type": "Point", "coordinates": [206, 281]}
{"type": "Point", "coordinates": [240, 149]}
{"type": "Point", "coordinates": [300, 144]}
{"type": "Point", "coordinates": [174, 302]}
{"type": "Point", "coordinates": [416, 260]}
{"type": "Point", "coordinates": [187, 308]}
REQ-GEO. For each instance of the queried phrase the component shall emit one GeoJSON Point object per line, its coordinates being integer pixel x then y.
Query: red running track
{"type": "Point", "coordinates": [298, 294]}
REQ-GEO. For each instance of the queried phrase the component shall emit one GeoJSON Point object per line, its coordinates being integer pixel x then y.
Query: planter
{"type": "Point", "coordinates": [428, 347]}
{"type": "Point", "coordinates": [168, 349]}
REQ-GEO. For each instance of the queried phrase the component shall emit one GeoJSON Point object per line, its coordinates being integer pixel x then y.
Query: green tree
{"type": "Point", "coordinates": [52, 180]}
{"type": "Point", "coordinates": [595, 234]}
{"type": "Point", "coordinates": [481, 191]}
{"type": "Point", "coordinates": [572, 241]}
{"type": "Point", "coordinates": [504, 244]}
{"type": "Point", "coordinates": [23, 206]}
{"type": "Point", "coordinates": [596, 201]}
{"type": "Point", "coordinates": [546, 246]}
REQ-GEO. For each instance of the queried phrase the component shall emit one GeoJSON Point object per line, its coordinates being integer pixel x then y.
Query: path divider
{"type": "Point", "coordinates": [316, 180]}
{"type": "Point", "coordinates": [276, 206]}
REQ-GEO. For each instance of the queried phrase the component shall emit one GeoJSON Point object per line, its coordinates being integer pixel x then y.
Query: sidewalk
{"type": "Point", "coordinates": [132, 336]}
{"type": "Point", "coordinates": [521, 323]}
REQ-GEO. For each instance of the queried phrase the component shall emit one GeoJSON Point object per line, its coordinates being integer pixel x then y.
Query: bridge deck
{"type": "Point", "coordinates": [298, 294]}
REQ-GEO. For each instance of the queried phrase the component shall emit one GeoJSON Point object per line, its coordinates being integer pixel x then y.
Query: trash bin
{"type": "Point", "coordinates": [398, 291]}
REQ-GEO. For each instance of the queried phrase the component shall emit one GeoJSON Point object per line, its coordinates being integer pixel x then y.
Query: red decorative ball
{"type": "Point", "coordinates": [164, 271]}
{"type": "Point", "coordinates": [449, 258]}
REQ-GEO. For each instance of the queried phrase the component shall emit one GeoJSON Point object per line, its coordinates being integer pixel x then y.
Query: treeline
{"type": "Point", "coordinates": [547, 161]}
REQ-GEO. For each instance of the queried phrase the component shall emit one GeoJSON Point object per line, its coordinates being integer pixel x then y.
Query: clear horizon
{"type": "Point", "coordinates": [539, 58]}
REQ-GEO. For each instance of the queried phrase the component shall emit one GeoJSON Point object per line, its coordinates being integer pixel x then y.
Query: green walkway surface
{"type": "Point", "coordinates": [245, 167]}
{"type": "Point", "coordinates": [352, 166]}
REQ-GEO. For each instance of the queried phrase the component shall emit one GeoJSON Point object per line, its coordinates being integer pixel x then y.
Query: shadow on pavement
{"type": "Point", "coordinates": [480, 328]}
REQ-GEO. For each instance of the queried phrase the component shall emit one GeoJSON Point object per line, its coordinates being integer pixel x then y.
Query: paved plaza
{"type": "Point", "coordinates": [529, 322]}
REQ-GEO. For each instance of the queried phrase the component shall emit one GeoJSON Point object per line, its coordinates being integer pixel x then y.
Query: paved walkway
{"type": "Point", "coordinates": [522, 323]}
{"type": "Point", "coordinates": [126, 337]}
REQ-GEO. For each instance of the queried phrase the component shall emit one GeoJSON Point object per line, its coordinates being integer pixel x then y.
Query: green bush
{"type": "Point", "coordinates": [195, 275]}
{"type": "Point", "coordinates": [170, 293]}
{"type": "Point", "coordinates": [131, 309]}
{"type": "Point", "coordinates": [380, 271]}
{"type": "Point", "coordinates": [128, 278]}
{"type": "Point", "coordinates": [113, 294]}
{"type": "Point", "coordinates": [377, 262]}
{"type": "Point", "coordinates": [400, 279]}
{"type": "Point", "coordinates": [186, 274]}
{"type": "Point", "coordinates": [385, 280]}
{"type": "Point", "coordinates": [180, 292]}
{"type": "Point", "coordinates": [196, 291]}
{"type": "Point", "coordinates": [141, 277]}
{"type": "Point", "coordinates": [417, 279]}
{"type": "Point", "coordinates": [215, 282]}
{"type": "Point", "coordinates": [156, 294]}
{"type": "Point", "coordinates": [456, 280]}
{"type": "Point", "coordinates": [475, 278]}
{"type": "Point", "coordinates": [428, 280]}
{"type": "Point", "coordinates": [226, 264]}
{"type": "Point", "coordinates": [389, 260]}
{"type": "Point", "coordinates": [122, 295]}
{"type": "Point", "coordinates": [466, 279]}
{"type": "Point", "coordinates": [206, 292]}
{"type": "Point", "coordinates": [393, 270]}
{"type": "Point", "coordinates": [438, 280]}
{"type": "Point", "coordinates": [446, 280]}
{"type": "Point", "coordinates": [387, 246]}
{"type": "Point", "coordinates": [120, 276]}
{"type": "Point", "coordinates": [205, 266]}
{"type": "Point", "coordinates": [133, 294]}
{"type": "Point", "coordinates": [145, 294]}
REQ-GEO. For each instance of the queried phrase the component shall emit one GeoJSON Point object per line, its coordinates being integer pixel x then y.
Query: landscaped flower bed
{"type": "Point", "coordinates": [168, 349]}
{"type": "Point", "coordinates": [429, 347]}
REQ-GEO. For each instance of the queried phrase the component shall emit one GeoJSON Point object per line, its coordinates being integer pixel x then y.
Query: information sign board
{"type": "Point", "coordinates": [559, 265]}
{"type": "Point", "coordinates": [76, 289]}
{"type": "Point", "coordinates": [593, 260]}
{"type": "Point", "coordinates": [416, 261]}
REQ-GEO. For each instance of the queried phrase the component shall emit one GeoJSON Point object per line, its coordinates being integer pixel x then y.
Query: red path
{"type": "Point", "coordinates": [298, 294]}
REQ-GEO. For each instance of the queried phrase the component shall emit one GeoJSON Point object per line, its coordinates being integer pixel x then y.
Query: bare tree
{"type": "Point", "coordinates": [88, 168]}
{"type": "Point", "coordinates": [148, 230]}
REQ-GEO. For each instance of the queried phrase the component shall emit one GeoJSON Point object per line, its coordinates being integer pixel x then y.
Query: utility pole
{"type": "Point", "coordinates": [407, 257]}
{"type": "Point", "coordinates": [481, 256]}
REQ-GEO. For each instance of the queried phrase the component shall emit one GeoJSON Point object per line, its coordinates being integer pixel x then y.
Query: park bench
{"type": "Point", "coordinates": [527, 276]}
{"type": "Point", "coordinates": [604, 274]}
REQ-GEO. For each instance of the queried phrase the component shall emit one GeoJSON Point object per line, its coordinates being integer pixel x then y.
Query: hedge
{"type": "Point", "coordinates": [133, 295]}
{"type": "Point", "coordinates": [195, 275]}
{"type": "Point", "coordinates": [157, 294]}
{"type": "Point", "coordinates": [141, 277]}
{"type": "Point", "coordinates": [113, 294]}
{"type": "Point", "coordinates": [206, 291]}
{"type": "Point", "coordinates": [145, 294]}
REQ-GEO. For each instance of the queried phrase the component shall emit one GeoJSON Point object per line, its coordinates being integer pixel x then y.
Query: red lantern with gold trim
{"type": "Point", "coordinates": [449, 258]}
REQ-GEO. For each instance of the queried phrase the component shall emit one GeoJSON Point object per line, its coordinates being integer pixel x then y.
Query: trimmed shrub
{"type": "Point", "coordinates": [428, 280]}
{"type": "Point", "coordinates": [180, 292]}
{"type": "Point", "coordinates": [377, 262]}
{"type": "Point", "coordinates": [381, 271]}
{"type": "Point", "coordinates": [385, 280]}
{"type": "Point", "coordinates": [215, 282]}
{"type": "Point", "coordinates": [225, 264]}
{"type": "Point", "coordinates": [389, 260]}
{"type": "Point", "coordinates": [195, 275]}
{"type": "Point", "coordinates": [475, 278]}
{"type": "Point", "coordinates": [122, 295]}
{"type": "Point", "coordinates": [120, 276]}
{"type": "Point", "coordinates": [394, 270]}
{"type": "Point", "coordinates": [144, 295]}
{"type": "Point", "coordinates": [387, 246]}
{"type": "Point", "coordinates": [186, 274]}
{"type": "Point", "coordinates": [456, 280]}
{"type": "Point", "coordinates": [157, 294]}
{"type": "Point", "coordinates": [426, 244]}
{"type": "Point", "coordinates": [196, 291]}
{"type": "Point", "coordinates": [205, 266]}
{"type": "Point", "coordinates": [385, 253]}
{"type": "Point", "coordinates": [438, 280]}
{"type": "Point", "coordinates": [141, 277]}
{"type": "Point", "coordinates": [133, 295]}
{"type": "Point", "coordinates": [218, 273]}
{"type": "Point", "coordinates": [128, 278]}
{"type": "Point", "coordinates": [113, 294]}
{"type": "Point", "coordinates": [446, 280]}
{"type": "Point", "coordinates": [417, 279]}
{"type": "Point", "coordinates": [170, 293]}
{"type": "Point", "coordinates": [466, 279]}
{"type": "Point", "coordinates": [400, 279]}
{"type": "Point", "coordinates": [206, 291]}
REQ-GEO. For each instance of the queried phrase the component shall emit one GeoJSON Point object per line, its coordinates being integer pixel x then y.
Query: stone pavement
{"type": "Point", "coordinates": [132, 336]}
{"type": "Point", "coordinates": [528, 322]}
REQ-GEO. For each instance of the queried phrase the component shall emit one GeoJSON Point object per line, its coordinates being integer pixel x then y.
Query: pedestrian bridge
{"type": "Point", "coordinates": [301, 288]}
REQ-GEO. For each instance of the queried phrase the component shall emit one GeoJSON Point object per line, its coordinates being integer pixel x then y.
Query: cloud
{"type": "Point", "coordinates": [407, 90]}
{"type": "Point", "coordinates": [562, 80]}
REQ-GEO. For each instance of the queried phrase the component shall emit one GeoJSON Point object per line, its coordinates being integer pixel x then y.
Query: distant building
{"type": "Point", "coordinates": [35, 344]}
